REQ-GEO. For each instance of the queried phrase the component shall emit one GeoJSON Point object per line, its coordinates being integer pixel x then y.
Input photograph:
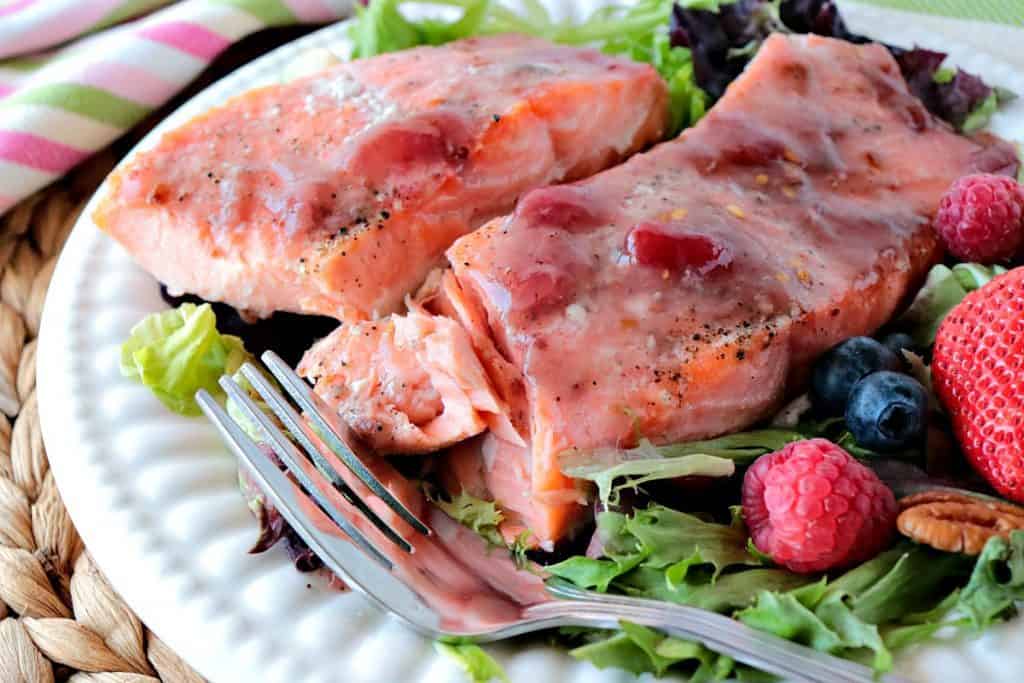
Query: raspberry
{"type": "Point", "coordinates": [812, 507]}
{"type": "Point", "coordinates": [979, 218]}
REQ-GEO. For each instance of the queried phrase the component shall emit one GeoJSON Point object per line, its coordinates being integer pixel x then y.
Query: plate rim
{"type": "Point", "coordinates": [58, 416]}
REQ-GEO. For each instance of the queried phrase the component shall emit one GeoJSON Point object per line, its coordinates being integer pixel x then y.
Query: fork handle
{"type": "Point", "coordinates": [720, 633]}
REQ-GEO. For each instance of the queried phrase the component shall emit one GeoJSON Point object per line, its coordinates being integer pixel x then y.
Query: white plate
{"type": "Point", "coordinates": [154, 495]}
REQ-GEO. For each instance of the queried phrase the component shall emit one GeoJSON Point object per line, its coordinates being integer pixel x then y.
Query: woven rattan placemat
{"type": "Point", "coordinates": [59, 618]}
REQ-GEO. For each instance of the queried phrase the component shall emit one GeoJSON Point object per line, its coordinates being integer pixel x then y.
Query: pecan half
{"type": "Point", "coordinates": [956, 522]}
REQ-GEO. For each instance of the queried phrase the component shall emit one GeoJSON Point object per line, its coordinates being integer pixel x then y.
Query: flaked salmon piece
{"type": "Point", "coordinates": [682, 294]}
{"type": "Point", "coordinates": [406, 384]}
{"type": "Point", "coordinates": [335, 194]}
{"type": "Point", "coordinates": [492, 468]}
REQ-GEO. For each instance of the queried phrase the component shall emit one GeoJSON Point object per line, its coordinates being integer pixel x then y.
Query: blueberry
{"type": "Point", "coordinates": [887, 411]}
{"type": "Point", "coordinates": [898, 341]}
{"type": "Point", "coordinates": [844, 365]}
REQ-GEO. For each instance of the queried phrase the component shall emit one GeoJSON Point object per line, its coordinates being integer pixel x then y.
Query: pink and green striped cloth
{"type": "Point", "coordinates": [61, 101]}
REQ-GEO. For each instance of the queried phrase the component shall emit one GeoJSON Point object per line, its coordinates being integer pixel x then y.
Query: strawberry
{"type": "Point", "coordinates": [978, 372]}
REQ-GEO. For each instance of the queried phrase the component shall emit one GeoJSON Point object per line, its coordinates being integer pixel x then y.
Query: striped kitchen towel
{"type": "Point", "coordinates": [60, 101]}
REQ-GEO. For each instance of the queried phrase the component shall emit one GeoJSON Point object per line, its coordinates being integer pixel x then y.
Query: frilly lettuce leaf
{"type": "Point", "coordinates": [942, 291]}
{"type": "Point", "coordinates": [638, 649]}
{"type": "Point", "coordinates": [637, 466]}
{"type": "Point", "coordinates": [730, 591]}
{"type": "Point", "coordinates": [875, 607]}
{"type": "Point", "coordinates": [657, 542]}
{"type": "Point", "coordinates": [250, 427]}
{"type": "Point", "coordinates": [791, 616]}
{"type": "Point", "coordinates": [587, 572]}
{"type": "Point", "coordinates": [667, 537]}
{"type": "Point", "coordinates": [614, 469]}
{"type": "Point", "coordinates": [177, 352]}
{"type": "Point", "coordinates": [742, 447]}
{"type": "Point", "coordinates": [482, 516]}
{"type": "Point", "coordinates": [981, 115]}
{"type": "Point", "coordinates": [382, 27]}
{"type": "Point", "coordinates": [479, 666]}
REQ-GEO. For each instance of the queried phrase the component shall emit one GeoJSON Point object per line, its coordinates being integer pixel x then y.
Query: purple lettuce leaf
{"type": "Point", "coordinates": [722, 42]}
{"type": "Point", "coordinates": [952, 97]}
{"type": "Point", "coordinates": [273, 528]}
{"type": "Point", "coordinates": [817, 16]}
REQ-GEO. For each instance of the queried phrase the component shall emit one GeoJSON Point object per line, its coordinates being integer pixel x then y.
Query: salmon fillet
{"type": "Point", "coordinates": [337, 193]}
{"type": "Point", "coordinates": [682, 294]}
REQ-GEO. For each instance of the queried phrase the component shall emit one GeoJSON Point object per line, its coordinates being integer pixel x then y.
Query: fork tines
{"type": "Point", "coordinates": [310, 467]}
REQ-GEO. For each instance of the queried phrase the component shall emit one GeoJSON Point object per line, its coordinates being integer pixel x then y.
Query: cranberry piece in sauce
{"type": "Point", "coordinates": [664, 246]}
{"type": "Point", "coordinates": [563, 207]}
{"type": "Point", "coordinates": [420, 142]}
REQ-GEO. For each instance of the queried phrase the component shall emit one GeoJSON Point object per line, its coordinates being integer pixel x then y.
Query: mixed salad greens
{"type": "Point", "coordinates": [641, 546]}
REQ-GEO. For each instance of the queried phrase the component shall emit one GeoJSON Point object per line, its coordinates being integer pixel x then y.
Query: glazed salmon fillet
{"type": "Point", "coordinates": [683, 294]}
{"type": "Point", "coordinates": [337, 193]}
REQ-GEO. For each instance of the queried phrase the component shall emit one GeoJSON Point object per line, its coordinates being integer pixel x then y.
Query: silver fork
{"type": "Point", "coordinates": [369, 568]}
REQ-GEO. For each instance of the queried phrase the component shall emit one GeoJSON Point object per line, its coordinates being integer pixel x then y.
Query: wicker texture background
{"type": "Point", "coordinates": [59, 618]}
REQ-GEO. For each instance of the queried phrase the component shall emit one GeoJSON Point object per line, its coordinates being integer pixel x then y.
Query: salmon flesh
{"type": "Point", "coordinates": [336, 194]}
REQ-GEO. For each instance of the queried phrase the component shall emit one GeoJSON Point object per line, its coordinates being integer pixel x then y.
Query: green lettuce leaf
{"type": "Point", "coordinates": [982, 114]}
{"type": "Point", "coordinates": [250, 427]}
{"type": "Point", "coordinates": [615, 651]}
{"type": "Point", "coordinates": [996, 582]}
{"type": "Point", "coordinates": [637, 466]}
{"type": "Point", "coordinates": [846, 617]}
{"type": "Point", "coordinates": [664, 554]}
{"type": "Point", "coordinates": [910, 585]}
{"type": "Point", "coordinates": [177, 352]}
{"type": "Point", "coordinates": [687, 102]}
{"type": "Point", "coordinates": [791, 616]}
{"type": "Point", "coordinates": [639, 650]}
{"type": "Point", "coordinates": [854, 632]}
{"type": "Point", "coordinates": [646, 462]}
{"type": "Point", "coordinates": [667, 536]}
{"type": "Point", "coordinates": [594, 574]}
{"type": "Point", "coordinates": [482, 516]}
{"type": "Point", "coordinates": [520, 546]}
{"type": "Point", "coordinates": [382, 27]}
{"type": "Point", "coordinates": [942, 291]}
{"type": "Point", "coordinates": [479, 666]}
{"type": "Point", "coordinates": [742, 448]}
{"type": "Point", "coordinates": [730, 591]}
{"type": "Point", "coordinates": [921, 626]}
